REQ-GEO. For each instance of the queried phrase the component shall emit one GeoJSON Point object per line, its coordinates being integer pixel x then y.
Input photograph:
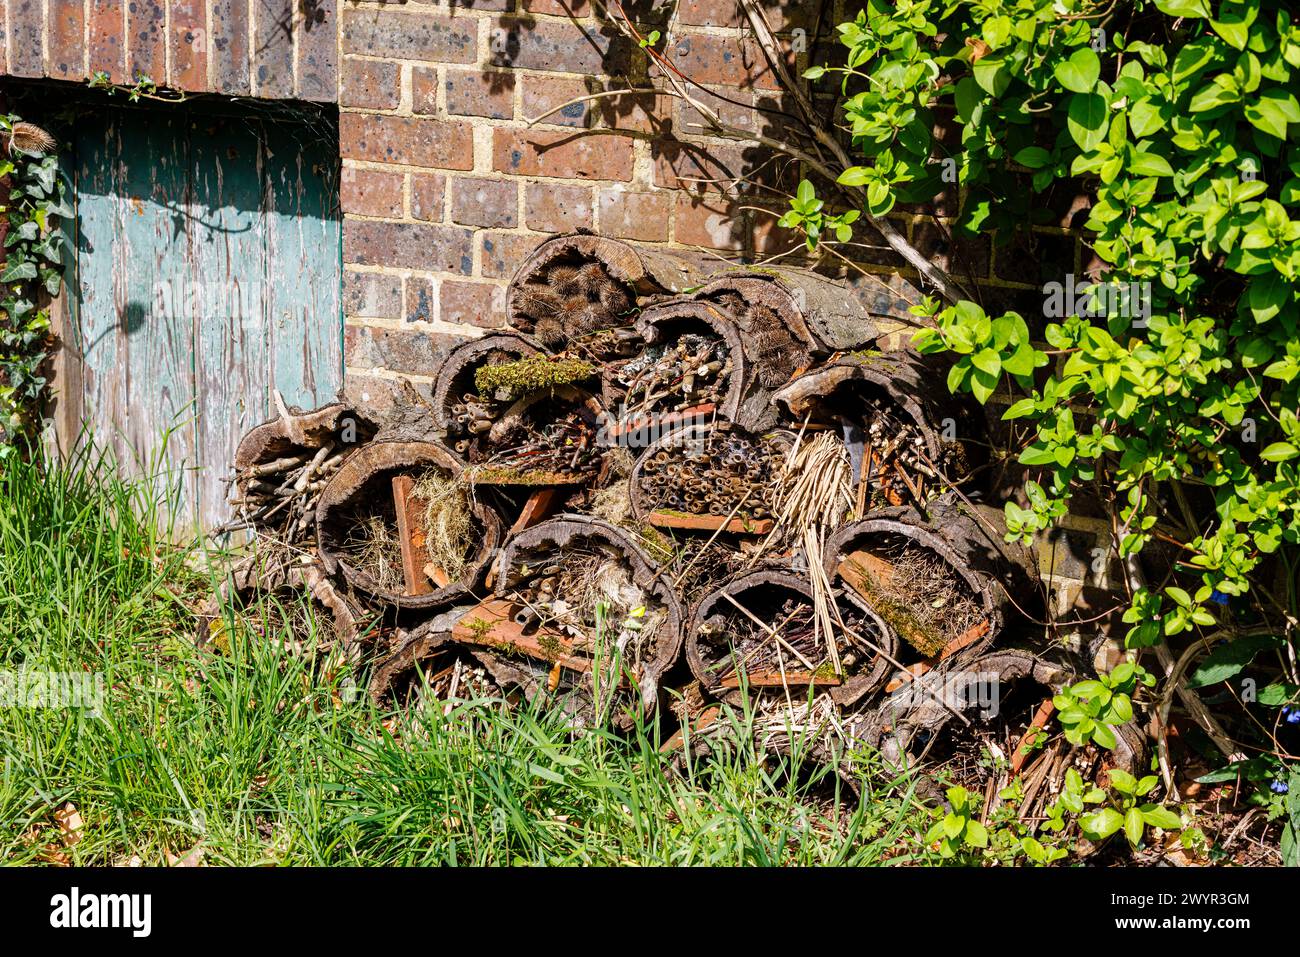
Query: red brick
{"type": "Point", "coordinates": [426, 196]}
{"type": "Point", "coordinates": [730, 61]}
{"type": "Point", "coordinates": [107, 54]}
{"type": "Point", "coordinates": [399, 139]}
{"type": "Point", "coordinates": [67, 46]}
{"type": "Point", "coordinates": [421, 300]}
{"type": "Point", "coordinates": [710, 221]}
{"type": "Point", "coordinates": [484, 202]}
{"type": "Point", "coordinates": [26, 33]}
{"type": "Point", "coordinates": [377, 395]}
{"type": "Point", "coordinates": [475, 93]}
{"type": "Point", "coordinates": [769, 239]}
{"type": "Point", "coordinates": [557, 8]}
{"type": "Point", "coordinates": [410, 36]}
{"type": "Point", "coordinates": [780, 15]}
{"type": "Point", "coordinates": [372, 295]}
{"type": "Point", "coordinates": [563, 47]}
{"type": "Point", "coordinates": [682, 165]}
{"type": "Point", "coordinates": [542, 94]}
{"type": "Point", "coordinates": [318, 33]}
{"type": "Point", "coordinates": [642, 216]}
{"type": "Point", "coordinates": [146, 31]}
{"type": "Point", "coordinates": [370, 192]}
{"type": "Point", "coordinates": [556, 208]}
{"type": "Point", "coordinates": [411, 245]}
{"type": "Point", "coordinates": [189, 45]}
{"type": "Point", "coordinates": [480, 304]}
{"type": "Point", "coordinates": [371, 84]}
{"type": "Point", "coordinates": [424, 90]}
{"type": "Point", "coordinates": [416, 351]}
{"type": "Point", "coordinates": [273, 48]}
{"type": "Point", "coordinates": [569, 155]}
{"type": "Point", "coordinates": [230, 46]}
{"type": "Point", "coordinates": [503, 252]}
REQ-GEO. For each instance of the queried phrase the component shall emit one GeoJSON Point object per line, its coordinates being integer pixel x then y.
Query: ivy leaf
{"type": "Point", "coordinates": [1079, 74]}
{"type": "Point", "coordinates": [1149, 164]}
{"type": "Point", "coordinates": [1279, 452]}
{"type": "Point", "coordinates": [1100, 825]}
{"type": "Point", "coordinates": [1272, 111]}
{"type": "Point", "coordinates": [1197, 9]}
{"type": "Point", "coordinates": [992, 76]}
{"type": "Point", "coordinates": [1086, 120]}
{"type": "Point", "coordinates": [1033, 157]}
{"type": "Point", "coordinates": [1228, 659]}
{"type": "Point", "coordinates": [18, 270]}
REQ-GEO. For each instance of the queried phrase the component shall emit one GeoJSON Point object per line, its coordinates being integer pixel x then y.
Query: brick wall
{"type": "Point", "coordinates": [276, 49]}
{"type": "Point", "coordinates": [447, 184]}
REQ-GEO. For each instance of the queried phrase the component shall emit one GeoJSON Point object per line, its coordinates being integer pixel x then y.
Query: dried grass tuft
{"type": "Point", "coordinates": [375, 550]}
{"type": "Point", "coordinates": [448, 525]}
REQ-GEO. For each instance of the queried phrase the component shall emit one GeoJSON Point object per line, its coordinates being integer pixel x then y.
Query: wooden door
{"type": "Point", "coordinates": [206, 273]}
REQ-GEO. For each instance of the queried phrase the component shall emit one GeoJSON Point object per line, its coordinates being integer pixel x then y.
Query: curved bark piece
{"type": "Point", "coordinates": [619, 573]}
{"type": "Point", "coordinates": [912, 383]}
{"type": "Point", "coordinates": [756, 603]}
{"type": "Point", "coordinates": [547, 437]}
{"type": "Point", "coordinates": [716, 382]}
{"type": "Point", "coordinates": [575, 284]}
{"type": "Point", "coordinates": [420, 646]}
{"type": "Point", "coordinates": [819, 315]}
{"type": "Point", "coordinates": [252, 578]}
{"type": "Point", "coordinates": [362, 492]}
{"type": "Point", "coordinates": [900, 562]}
{"type": "Point", "coordinates": [455, 377]}
{"type": "Point", "coordinates": [928, 707]}
{"type": "Point", "coordinates": [281, 465]}
{"type": "Point", "coordinates": [278, 437]}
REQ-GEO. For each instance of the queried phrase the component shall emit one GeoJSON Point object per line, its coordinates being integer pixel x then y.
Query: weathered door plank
{"type": "Point", "coordinates": [156, 323]}
{"type": "Point", "coordinates": [302, 236]}
{"type": "Point", "coordinates": [95, 316]}
{"type": "Point", "coordinates": [228, 240]}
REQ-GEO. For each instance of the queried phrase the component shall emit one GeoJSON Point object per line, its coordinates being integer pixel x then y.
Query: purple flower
{"type": "Point", "coordinates": [1218, 597]}
{"type": "Point", "coordinates": [1291, 715]}
{"type": "Point", "coordinates": [1279, 787]}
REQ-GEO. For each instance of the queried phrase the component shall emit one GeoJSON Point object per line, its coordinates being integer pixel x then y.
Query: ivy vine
{"type": "Point", "coordinates": [1171, 389]}
{"type": "Point", "coordinates": [32, 273]}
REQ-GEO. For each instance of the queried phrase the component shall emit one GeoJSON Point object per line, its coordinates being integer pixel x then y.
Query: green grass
{"type": "Point", "coordinates": [255, 758]}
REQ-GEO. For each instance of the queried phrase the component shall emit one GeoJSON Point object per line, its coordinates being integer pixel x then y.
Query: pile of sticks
{"type": "Point", "coordinates": [665, 487]}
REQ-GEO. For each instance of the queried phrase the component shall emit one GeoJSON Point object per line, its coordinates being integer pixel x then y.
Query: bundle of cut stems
{"type": "Point", "coordinates": [815, 495]}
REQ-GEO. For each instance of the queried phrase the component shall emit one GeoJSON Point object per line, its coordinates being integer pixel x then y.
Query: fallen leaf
{"type": "Point", "coordinates": [69, 820]}
{"type": "Point", "coordinates": [191, 858]}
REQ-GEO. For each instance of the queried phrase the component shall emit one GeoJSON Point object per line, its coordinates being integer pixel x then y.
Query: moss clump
{"type": "Point", "coordinates": [927, 641]}
{"type": "Point", "coordinates": [490, 475]}
{"type": "Point", "coordinates": [523, 376]}
{"type": "Point", "coordinates": [479, 626]}
{"type": "Point", "coordinates": [826, 672]}
{"type": "Point", "coordinates": [550, 646]}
